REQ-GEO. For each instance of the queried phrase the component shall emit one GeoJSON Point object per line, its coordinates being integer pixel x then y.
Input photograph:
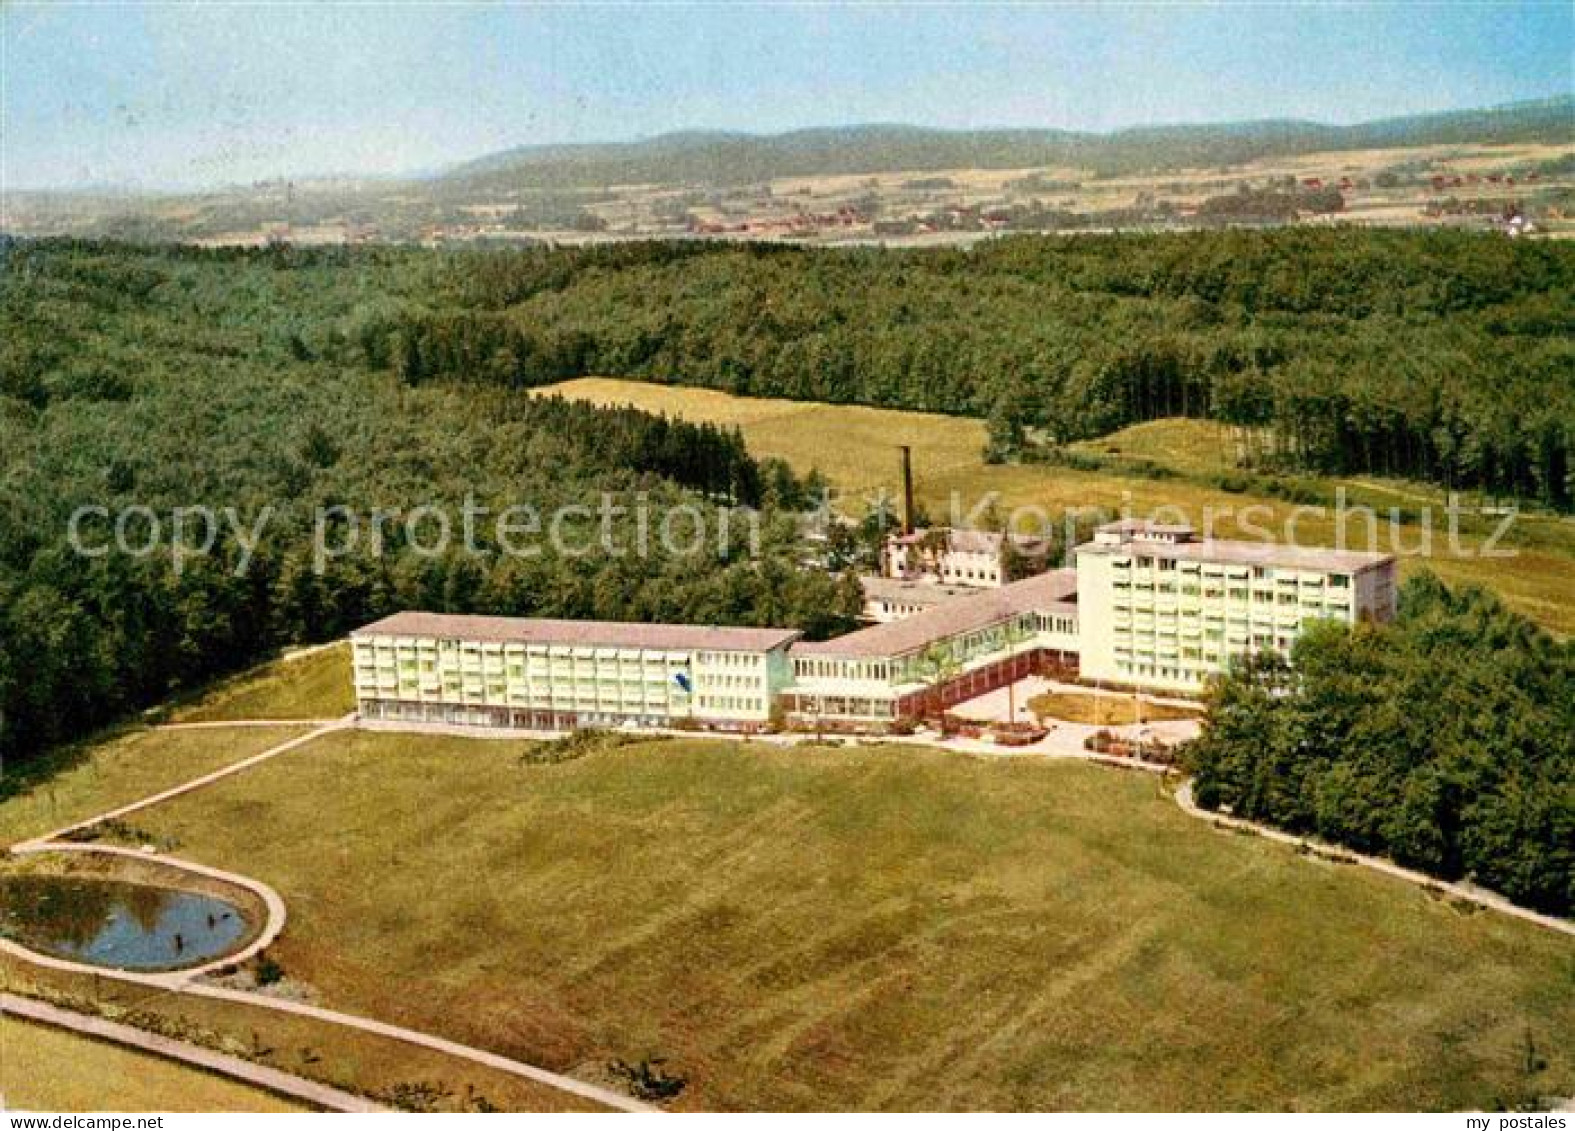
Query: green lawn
{"type": "Point", "coordinates": [75, 782]}
{"type": "Point", "coordinates": [47, 1069]}
{"type": "Point", "coordinates": [855, 448]}
{"type": "Point", "coordinates": [312, 685]}
{"type": "Point", "coordinates": [396, 1073]}
{"type": "Point", "coordinates": [876, 927]}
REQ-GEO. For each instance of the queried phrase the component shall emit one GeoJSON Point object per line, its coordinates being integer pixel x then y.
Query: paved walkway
{"type": "Point", "coordinates": [1064, 741]}
{"type": "Point", "coordinates": [185, 981]}
{"type": "Point", "coordinates": [1476, 895]}
{"type": "Point", "coordinates": [259, 1075]}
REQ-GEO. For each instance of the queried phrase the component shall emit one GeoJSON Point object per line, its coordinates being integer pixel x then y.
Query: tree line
{"type": "Point", "coordinates": [1445, 740]}
{"type": "Point", "coordinates": [1440, 355]}
{"type": "Point", "coordinates": [176, 377]}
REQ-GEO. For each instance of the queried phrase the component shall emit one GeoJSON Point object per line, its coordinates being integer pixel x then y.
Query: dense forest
{"type": "Point", "coordinates": [1445, 741]}
{"type": "Point", "coordinates": [181, 378]}
{"type": "Point", "coordinates": [1445, 355]}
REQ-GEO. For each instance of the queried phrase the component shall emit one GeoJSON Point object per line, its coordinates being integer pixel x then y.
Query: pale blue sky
{"type": "Point", "coordinates": [169, 95]}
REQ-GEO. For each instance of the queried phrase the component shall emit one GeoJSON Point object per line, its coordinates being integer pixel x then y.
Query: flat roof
{"type": "Point", "coordinates": [966, 614]}
{"type": "Point", "coordinates": [962, 539]}
{"type": "Point", "coordinates": [583, 633]}
{"type": "Point", "coordinates": [914, 592]}
{"type": "Point", "coordinates": [1246, 553]}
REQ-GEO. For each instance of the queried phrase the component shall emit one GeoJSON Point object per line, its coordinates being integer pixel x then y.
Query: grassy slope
{"type": "Point", "coordinates": [76, 782]}
{"type": "Point", "coordinates": [312, 685]}
{"type": "Point", "coordinates": [47, 1069]}
{"type": "Point", "coordinates": [387, 1069]}
{"type": "Point", "coordinates": [885, 928]}
{"type": "Point", "coordinates": [856, 449]}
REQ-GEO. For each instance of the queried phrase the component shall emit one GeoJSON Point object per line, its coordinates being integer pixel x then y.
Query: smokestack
{"type": "Point", "coordinates": [907, 490]}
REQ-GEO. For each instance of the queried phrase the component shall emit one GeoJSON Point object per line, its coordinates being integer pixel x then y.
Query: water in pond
{"type": "Point", "coordinates": [118, 924]}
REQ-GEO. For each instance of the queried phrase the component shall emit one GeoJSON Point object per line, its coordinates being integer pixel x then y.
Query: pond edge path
{"type": "Point", "coordinates": [184, 981]}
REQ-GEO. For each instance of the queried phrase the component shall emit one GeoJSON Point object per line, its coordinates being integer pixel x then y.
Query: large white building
{"type": "Point", "coordinates": [562, 674]}
{"type": "Point", "coordinates": [1161, 608]}
{"type": "Point", "coordinates": [1147, 606]}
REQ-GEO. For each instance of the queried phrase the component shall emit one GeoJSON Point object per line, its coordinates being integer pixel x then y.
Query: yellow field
{"type": "Point", "coordinates": [856, 449]}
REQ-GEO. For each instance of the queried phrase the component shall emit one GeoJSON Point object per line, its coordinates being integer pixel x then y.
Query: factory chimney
{"type": "Point", "coordinates": [907, 490]}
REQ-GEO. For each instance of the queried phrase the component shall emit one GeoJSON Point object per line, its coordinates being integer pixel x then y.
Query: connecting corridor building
{"type": "Point", "coordinates": [1146, 606]}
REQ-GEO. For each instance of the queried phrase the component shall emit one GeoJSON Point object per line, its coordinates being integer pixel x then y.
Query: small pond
{"type": "Point", "coordinates": [115, 923]}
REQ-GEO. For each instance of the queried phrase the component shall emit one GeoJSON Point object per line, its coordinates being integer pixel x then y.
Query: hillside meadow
{"type": "Point", "coordinates": [874, 927]}
{"type": "Point", "coordinates": [855, 448]}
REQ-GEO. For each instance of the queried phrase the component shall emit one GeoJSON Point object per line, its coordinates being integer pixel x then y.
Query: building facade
{"type": "Point", "coordinates": [923, 663]}
{"type": "Point", "coordinates": [1146, 606]}
{"type": "Point", "coordinates": [888, 598]}
{"type": "Point", "coordinates": [978, 559]}
{"type": "Point", "coordinates": [560, 674]}
{"type": "Point", "coordinates": [1164, 609]}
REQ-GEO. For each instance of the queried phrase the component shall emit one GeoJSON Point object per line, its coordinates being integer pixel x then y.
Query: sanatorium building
{"type": "Point", "coordinates": [1145, 606]}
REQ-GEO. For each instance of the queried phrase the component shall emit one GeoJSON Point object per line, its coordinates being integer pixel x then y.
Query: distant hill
{"type": "Point", "coordinates": [700, 157]}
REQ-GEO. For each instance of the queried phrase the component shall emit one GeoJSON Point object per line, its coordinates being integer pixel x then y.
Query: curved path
{"type": "Point", "coordinates": [184, 981]}
{"type": "Point", "coordinates": [1478, 896]}
{"type": "Point", "coordinates": [245, 1071]}
{"type": "Point", "coordinates": [273, 905]}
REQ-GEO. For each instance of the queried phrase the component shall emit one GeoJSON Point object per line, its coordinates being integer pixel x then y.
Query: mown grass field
{"type": "Point", "coordinates": [856, 449]}
{"type": "Point", "coordinates": [76, 782]}
{"type": "Point", "coordinates": [876, 927]}
{"type": "Point", "coordinates": [314, 684]}
{"type": "Point", "coordinates": [48, 1069]}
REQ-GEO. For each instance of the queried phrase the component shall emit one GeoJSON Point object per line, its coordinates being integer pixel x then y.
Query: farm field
{"type": "Point", "coordinates": [881, 927]}
{"type": "Point", "coordinates": [48, 1069]}
{"type": "Point", "coordinates": [855, 448]}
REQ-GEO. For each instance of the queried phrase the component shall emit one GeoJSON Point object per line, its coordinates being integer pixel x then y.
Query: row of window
{"type": "Point", "coordinates": [730, 659]}
{"type": "Point", "coordinates": [1218, 572]}
{"type": "Point", "coordinates": [731, 703]}
{"type": "Point", "coordinates": [729, 681]}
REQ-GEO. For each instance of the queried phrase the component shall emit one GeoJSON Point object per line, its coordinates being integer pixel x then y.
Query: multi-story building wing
{"type": "Point", "coordinates": [942, 655]}
{"type": "Point", "coordinates": [1161, 608]}
{"type": "Point", "coordinates": [562, 674]}
{"type": "Point", "coordinates": [1146, 606]}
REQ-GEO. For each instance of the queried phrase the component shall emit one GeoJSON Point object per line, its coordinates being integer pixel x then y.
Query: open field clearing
{"type": "Point", "coordinates": [313, 685]}
{"type": "Point", "coordinates": [855, 448]}
{"type": "Point", "coordinates": [76, 782]}
{"type": "Point", "coordinates": [48, 1069]}
{"type": "Point", "coordinates": [875, 927]}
